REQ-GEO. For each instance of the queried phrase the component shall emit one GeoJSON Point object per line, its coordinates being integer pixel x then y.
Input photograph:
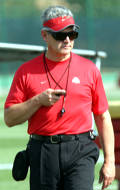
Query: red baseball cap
{"type": "Point", "coordinates": [59, 23]}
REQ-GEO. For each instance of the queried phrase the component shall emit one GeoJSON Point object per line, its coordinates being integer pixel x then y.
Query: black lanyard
{"type": "Point", "coordinates": [58, 83]}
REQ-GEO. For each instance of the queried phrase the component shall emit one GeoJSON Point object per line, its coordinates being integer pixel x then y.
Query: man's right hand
{"type": "Point", "coordinates": [50, 96]}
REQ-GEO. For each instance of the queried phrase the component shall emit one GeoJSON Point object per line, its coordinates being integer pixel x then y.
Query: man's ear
{"type": "Point", "coordinates": [44, 35]}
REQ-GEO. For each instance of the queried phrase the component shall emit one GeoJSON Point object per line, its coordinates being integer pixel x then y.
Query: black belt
{"type": "Point", "coordinates": [59, 138]}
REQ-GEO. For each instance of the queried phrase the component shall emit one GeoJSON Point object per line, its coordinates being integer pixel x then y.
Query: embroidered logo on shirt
{"type": "Point", "coordinates": [76, 80]}
{"type": "Point", "coordinates": [63, 19]}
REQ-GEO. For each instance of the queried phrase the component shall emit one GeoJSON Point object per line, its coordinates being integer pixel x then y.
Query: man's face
{"type": "Point", "coordinates": [62, 47]}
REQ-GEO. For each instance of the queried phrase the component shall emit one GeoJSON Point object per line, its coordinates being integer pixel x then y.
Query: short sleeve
{"type": "Point", "coordinates": [99, 99]}
{"type": "Point", "coordinates": [17, 92]}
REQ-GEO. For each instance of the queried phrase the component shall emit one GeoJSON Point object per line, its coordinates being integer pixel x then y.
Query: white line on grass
{"type": "Point", "coordinates": [6, 166]}
{"type": "Point", "coordinates": [100, 159]}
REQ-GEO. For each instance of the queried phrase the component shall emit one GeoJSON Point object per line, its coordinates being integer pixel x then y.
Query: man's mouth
{"type": "Point", "coordinates": [66, 46]}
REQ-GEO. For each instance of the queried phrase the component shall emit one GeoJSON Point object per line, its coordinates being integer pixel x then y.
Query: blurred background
{"type": "Point", "coordinates": [99, 21]}
{"type": "Point", "coordinates": [20, 23]}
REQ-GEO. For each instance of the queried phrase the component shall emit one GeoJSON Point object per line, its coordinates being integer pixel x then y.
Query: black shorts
{"type": "Point", "coordinates": [63, 166]}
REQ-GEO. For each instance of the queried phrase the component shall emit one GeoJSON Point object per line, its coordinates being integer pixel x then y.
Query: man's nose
{"type": "Point", "coordinates": [67, 39]}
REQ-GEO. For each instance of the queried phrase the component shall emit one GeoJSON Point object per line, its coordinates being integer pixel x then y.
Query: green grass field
{"type": "Point", "coordinates": [15, 139]}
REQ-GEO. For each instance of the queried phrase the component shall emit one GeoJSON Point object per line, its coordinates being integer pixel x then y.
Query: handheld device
{"type": "Point", "coordinates": [59, 94]}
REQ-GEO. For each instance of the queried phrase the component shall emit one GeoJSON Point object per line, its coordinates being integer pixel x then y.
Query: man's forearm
{"type": "Point", "coordinates": [19, 113]}
{"type": "Point", "coordinates": [106, 135]}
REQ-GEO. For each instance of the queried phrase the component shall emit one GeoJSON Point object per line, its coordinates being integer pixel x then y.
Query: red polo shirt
{"type": "Point", "coordinates": [85, 94]}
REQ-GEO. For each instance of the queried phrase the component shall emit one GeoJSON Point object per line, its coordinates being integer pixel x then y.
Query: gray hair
{"type": "Point", "coordinates": [55, 11]}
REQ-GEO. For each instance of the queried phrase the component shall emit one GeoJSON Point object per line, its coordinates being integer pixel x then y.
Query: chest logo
{"type": "Point", "coordinates": [76, 80]}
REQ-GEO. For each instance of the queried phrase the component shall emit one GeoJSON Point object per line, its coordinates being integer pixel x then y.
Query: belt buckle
{"type": "Point", "coordinates": [54, 139]}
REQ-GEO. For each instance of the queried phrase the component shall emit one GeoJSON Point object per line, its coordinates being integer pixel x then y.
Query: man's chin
{"type": "Point", "coordinates": [66, 51]}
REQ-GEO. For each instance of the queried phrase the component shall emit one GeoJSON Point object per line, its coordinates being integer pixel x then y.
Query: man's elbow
{"type": "Point", "coordinates": [8, 122]}
{"type": "Point", "coordinates": [7, 119]}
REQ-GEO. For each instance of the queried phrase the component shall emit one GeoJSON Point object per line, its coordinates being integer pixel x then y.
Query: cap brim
{"type": "Point", "coordinates": [49, 29]}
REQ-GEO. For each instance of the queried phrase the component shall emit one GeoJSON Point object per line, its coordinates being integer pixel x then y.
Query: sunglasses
{"type": "Point", "coordinates": [61, 36]}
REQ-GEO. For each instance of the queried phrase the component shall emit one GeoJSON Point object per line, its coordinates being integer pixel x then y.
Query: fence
{"type": "Point", "coordinates": [99, 25]}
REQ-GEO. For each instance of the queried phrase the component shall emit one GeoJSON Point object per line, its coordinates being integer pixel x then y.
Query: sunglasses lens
{"type": "Point", "coordinates": [61, 36]}
{"type": "Point", "coordinates": [73, 35]}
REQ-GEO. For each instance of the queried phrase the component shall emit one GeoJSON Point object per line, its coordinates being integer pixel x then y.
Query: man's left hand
{"type": "Point", "coordinates": [107, 174]}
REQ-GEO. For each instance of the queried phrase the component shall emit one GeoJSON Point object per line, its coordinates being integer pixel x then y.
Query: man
{"type": "Point", "coordinates": [57, 93]}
